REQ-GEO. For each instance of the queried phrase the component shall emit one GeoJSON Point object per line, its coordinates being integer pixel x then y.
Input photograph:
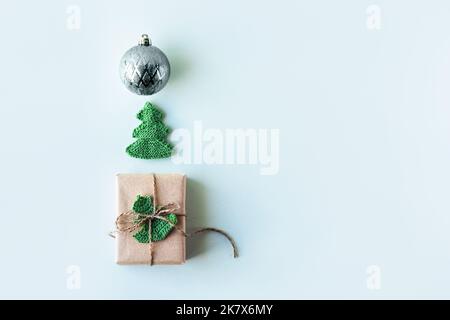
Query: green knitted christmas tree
{"type": "Point", "coordinates": [151, 135]}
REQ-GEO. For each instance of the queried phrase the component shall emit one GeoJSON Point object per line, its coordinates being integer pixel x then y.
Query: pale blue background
{"type": "Point", "coordinates": [364, 121]}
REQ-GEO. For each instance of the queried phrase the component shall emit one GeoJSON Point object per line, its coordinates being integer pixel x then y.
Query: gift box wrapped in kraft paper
{"type": "Point", "coordinates": [152, 219]}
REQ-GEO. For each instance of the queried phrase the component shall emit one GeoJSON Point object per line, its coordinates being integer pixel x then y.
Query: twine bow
{"type": "Point", "coordinates": [130, 221]}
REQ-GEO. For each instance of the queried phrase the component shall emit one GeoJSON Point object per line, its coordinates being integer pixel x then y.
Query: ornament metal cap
{"type": "Point", "coordinates": [145, 40]}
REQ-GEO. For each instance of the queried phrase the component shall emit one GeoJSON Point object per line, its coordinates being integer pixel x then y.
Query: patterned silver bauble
{"type": "Point", "coordinates": [144, 69]}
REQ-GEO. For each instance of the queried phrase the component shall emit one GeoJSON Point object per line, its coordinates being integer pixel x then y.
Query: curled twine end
{"type": "Point", "coordinates": [226, 235]}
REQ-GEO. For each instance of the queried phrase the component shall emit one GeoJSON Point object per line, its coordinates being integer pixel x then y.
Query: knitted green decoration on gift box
{"type": "Point", "coordinates": [151, 135]}
{"type": "Point", "coordinates": [160, 228]}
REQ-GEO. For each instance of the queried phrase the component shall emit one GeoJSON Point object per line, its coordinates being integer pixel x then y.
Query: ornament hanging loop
{"type": "Point", "coordinates": [145, 40]}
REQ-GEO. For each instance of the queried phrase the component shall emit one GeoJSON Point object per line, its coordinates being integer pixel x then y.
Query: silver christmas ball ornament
{"type": "Point", "coordinates": [144, 69]}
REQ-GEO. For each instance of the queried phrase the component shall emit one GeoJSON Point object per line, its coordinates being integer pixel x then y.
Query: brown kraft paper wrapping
{"type": "Point", "coordinates": [169, 188]}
